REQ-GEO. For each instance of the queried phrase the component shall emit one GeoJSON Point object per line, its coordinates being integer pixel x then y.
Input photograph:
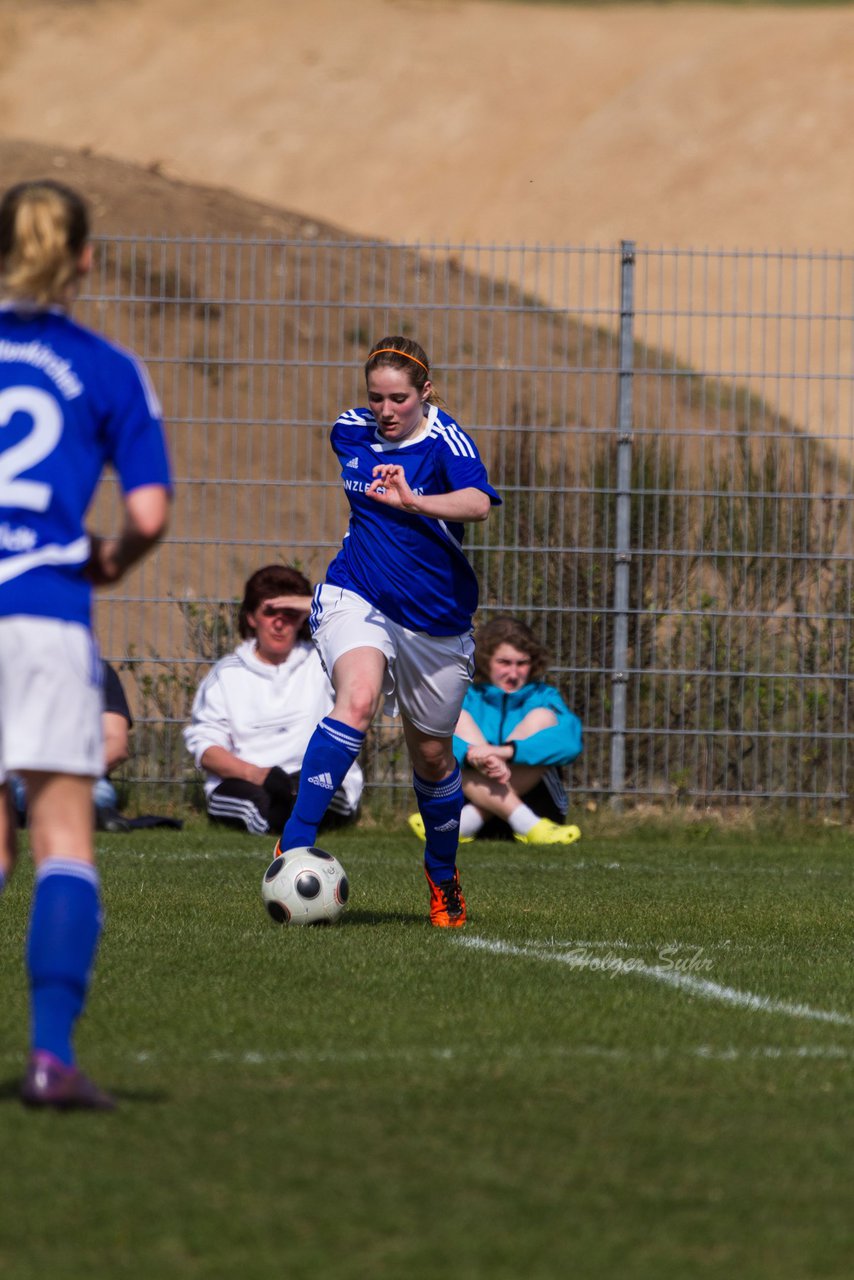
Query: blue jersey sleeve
{"type": "Point", "coordinates": [133, 427]}
{"type": "Point", "coordinates": [461, 466]}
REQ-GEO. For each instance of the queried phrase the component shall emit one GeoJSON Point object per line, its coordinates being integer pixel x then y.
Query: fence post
{"type": "Point", "coordinates": [622, 549]}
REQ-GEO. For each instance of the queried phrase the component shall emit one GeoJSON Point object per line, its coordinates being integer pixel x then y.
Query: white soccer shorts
{"type": "Point", "coordinates": [426, 676]}
{"type": "Point", "coordinates": [50, 698]}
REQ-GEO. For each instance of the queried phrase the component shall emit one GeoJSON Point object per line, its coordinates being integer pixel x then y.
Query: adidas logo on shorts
{"type": "Point", "coordinates": [323, 780]}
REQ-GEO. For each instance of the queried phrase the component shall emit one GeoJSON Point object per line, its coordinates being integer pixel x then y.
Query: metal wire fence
{"type": "Point", "coordinates": [672, 433]}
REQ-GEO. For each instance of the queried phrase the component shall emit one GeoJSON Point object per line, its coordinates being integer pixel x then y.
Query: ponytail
{"type": "Point", "coordinates": [44, 227]}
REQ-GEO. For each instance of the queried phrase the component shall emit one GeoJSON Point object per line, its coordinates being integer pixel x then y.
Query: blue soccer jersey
{"type": "Point", "coordinates": [412, 567]}
{"type": "Point", "coordinates": [70, 402]}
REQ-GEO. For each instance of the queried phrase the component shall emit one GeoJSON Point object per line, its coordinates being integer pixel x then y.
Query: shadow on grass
{"type": "Point", "coordinates": [361, 918]}
{"type": "Point", "coordinates": [10, 1091]}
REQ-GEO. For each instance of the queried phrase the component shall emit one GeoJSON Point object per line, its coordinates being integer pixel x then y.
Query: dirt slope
{"type": "Point", "coordinates": [432, 121]}
{"type": "Point", "coordinates": [461, 119]}
{"type": "Point", "coordinates": [472, 121]}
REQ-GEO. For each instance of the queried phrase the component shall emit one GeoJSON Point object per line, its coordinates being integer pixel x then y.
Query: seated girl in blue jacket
{"type": "Point", "coordinates": [513, 735]}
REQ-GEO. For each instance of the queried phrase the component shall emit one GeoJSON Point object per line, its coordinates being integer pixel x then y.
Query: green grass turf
{"type": "Point", "coordinates": [379, 1099]}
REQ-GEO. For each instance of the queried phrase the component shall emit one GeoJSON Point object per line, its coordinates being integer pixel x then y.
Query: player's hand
{"type": "Point", "coordinates": [277, 784]}
{"type": "Point", "coordinates": [487, 761]}
{"type": "Point", "coordinates": [103, 567]}
{"type": "Point", "coordinates": [390, 486]}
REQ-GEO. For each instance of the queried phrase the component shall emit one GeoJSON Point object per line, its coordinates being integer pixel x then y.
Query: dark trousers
{"type": "Point", "coordinates": [248, 807]}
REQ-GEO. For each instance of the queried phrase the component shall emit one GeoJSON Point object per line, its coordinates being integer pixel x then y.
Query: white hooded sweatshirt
{"type": "Point", "coordinates": [263, 713]}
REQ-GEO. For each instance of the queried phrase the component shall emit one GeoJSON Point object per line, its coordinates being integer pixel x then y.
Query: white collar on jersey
{"type": "Point", "coordinates": [429, 422]}
{"type": "Point", "coordinates": [28, 307]}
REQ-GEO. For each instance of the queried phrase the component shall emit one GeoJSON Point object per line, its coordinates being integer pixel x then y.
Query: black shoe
{"type": "Point", "coordinates": [110, 820]}
{"type": "Point", "coordinates": [49, 1083]}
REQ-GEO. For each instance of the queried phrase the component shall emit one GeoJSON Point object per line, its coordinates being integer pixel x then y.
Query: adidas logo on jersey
{"type": "Point", "coordinates": [449, 826]}
{"type": "Point", "coordinates": [323, 780]}
{"type": "Point", "coordinates": [354, 462]}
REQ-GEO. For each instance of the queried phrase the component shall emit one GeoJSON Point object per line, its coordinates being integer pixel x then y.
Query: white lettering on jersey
{"type": "Point", "coordinates": [45, 358]}
{"type": "Point", "coordinates": [76, 552]}
{"type": "Point", "coordinates": [19, 538]}
{"type": "Point", "coordinates": [359, 486]}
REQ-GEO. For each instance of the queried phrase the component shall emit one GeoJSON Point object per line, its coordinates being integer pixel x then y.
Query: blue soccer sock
{"type": "Point", "coordinates": [65, 925]}
{"type": "Point", "coordinates": [331, 751]}
{"type": "Point", "coordinates": [440, 805]}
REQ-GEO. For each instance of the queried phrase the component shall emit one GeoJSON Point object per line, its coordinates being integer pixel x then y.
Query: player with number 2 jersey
{"type": "Point", "coordinates": [70, 403]}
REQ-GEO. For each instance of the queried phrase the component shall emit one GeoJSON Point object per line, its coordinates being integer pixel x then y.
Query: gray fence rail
{"type": "Point", "coordinates": [672, 433]}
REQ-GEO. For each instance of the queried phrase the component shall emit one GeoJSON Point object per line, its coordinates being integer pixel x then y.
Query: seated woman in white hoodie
{"type": "Point", "coordinates": [256, 709]}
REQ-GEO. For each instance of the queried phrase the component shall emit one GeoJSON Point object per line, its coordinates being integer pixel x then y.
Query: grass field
{"type": "Point", "coordinates": [635, 1061]}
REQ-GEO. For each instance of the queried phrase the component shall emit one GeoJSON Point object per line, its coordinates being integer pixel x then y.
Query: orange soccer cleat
{"type": "Point", "coordinates": [447, 904]}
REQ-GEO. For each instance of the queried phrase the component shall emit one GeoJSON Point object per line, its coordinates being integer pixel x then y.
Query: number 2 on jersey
{"type": "Point", "coordinates": [43, 437]}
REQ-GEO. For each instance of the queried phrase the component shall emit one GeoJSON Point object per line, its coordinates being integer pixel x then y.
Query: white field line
{"type": "Point", "coordinates": [477, 1053]}
{"type": "Point", "coordinates": [708, 1053]}
{"type": "Point", "coordinates": [667, 974]}
{"type": "Point", "coordinates": [684, 870]}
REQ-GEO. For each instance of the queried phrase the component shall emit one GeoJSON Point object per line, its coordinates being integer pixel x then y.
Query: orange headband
{"type": "Point", "coordinates": [393, 351]}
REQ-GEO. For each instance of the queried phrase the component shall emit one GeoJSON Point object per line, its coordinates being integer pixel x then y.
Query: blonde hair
{"type": "Point", "coordinates": [44, 227]}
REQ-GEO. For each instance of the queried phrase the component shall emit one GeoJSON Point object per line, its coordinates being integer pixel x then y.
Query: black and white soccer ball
{"type": "Point", "coordinates": [305, 886]}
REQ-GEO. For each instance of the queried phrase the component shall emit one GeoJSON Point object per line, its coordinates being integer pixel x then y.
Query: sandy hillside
{"type": "Point", "coordinates": [461, 119]}
{"type": "Point", "coordinates": [470, 121]}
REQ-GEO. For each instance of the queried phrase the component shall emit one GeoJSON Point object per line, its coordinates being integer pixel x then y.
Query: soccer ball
{"type": "Point", "coordinates": [305, 886]}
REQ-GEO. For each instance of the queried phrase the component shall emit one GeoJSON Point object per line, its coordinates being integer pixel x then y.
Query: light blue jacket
{"type": "Point", "coordinates": [497, 713]}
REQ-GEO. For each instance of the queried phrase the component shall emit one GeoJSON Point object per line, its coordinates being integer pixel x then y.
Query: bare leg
{"type": "Point", "coordinates": [8, 833]}
{"type": "Point", "coordinates": [432, 758]}
{"type": "Point", "coordinates": [61, 817]}
{"type": "Point", "coordinates": [469, 730]}
{"type": "Point", "coordinates": [537, 719]}
{"type": "Point", "coordinates": [357, 678]}
{"type": "Point", "coordinates": [500, 799]}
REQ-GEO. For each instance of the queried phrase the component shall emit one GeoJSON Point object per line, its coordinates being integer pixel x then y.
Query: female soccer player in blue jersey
{"type": "Point", "coordinates": [394, 615]}
{"type": "Point", "coordinates": [70, 402]}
